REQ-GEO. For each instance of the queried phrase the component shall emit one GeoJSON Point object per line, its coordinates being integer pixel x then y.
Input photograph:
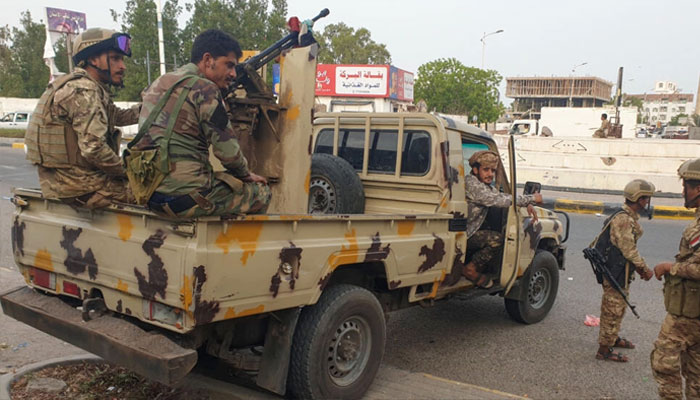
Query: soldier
{"type": "Point", "coordinates": [71, 135]}
{"type": "Point", "coordinates": [183, 114]}
{"type": "Point", "coordinates": [677, 349]}
{"type": "Point", "coordinates": [622, 254]}
{"type": "Point", "coordinates": [604, 129]}
{"type": "Point", "coordinates": [484, 244]}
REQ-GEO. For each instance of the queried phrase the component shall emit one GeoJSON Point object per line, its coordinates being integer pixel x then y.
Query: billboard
{"type": "Point", "coordinates": [382, 81]}
{"type": "Point", "coordinates": [65, 21]}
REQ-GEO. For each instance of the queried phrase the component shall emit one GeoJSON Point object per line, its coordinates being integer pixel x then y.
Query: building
{"type": "Point", "coordinates": [372, 88]}
{"type": "Point", "coordinates": [664, 103]}
{"type": "Point", "coordinates": [530, 94]}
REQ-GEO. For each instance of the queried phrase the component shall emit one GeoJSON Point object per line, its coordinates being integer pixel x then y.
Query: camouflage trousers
{"type": "Point", "coordinates": [231, 199]}
{"type": "Point", "coordinates": [677, 352]}
{"type": "Point", "coordinates": [612, 310]}
{"type": "Point", "coordinates": [114, 190]}
{"type": "Point", "coordinates": [484, 245]}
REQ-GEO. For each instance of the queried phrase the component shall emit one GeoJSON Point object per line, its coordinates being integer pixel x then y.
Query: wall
{"type": "Point", "coordinates": [355, 104]}
{"type": "Point", "coordinates": [582, 122]}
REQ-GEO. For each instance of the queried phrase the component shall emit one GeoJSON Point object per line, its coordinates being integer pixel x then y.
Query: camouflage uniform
{"type": "Point", "coordinates": [677, 349]}
{"type": "Point", "coordinates": [86, 105]}
{"type": "Point", "coordinates": [603, 131]}
{"type": "Point", "coordinates": [484, 244]}
{"type": "Point", "coordinates": [202, 122]}
{"type": "Point", "coordinates": [625, 231]}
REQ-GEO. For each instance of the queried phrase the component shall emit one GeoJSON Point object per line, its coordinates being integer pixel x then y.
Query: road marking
{"type": "Point", "coordinates": [450, 381]}
{"type": "Point", "coordinates": [18, 145]}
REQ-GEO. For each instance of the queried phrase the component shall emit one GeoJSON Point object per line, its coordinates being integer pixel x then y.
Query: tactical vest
{"type": "Point", "coordinates": [616, 262]}
{"type": "Point", "coordinates": [682, 296]}
{"type": "Point", "coordinates": [52, 143]}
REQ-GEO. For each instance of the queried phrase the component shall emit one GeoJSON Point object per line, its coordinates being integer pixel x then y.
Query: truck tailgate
{"type": "Point", "coordinates": [116, 340]}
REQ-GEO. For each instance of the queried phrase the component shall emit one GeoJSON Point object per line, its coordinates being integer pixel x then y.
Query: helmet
{"type": "Point", "coordinates": [95, 41]}
{"type": "Point", "coordinates": [690, 169]}
{"type": "Point", "coordinates": [638, 188]}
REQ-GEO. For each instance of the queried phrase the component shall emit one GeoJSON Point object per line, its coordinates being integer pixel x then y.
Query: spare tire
{"type": "Point", "coordinates": [335, 187]}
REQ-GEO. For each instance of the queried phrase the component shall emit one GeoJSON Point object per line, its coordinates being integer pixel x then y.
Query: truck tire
{"type": "Point", "coordinates": [338, 345]}
{"type": "Point", "coordinates": [542, 280]}
{"type": "Point", "coordinates": [335, 187]}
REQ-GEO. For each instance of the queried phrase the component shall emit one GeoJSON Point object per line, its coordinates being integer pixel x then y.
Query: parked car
{"type": "Point", "coordinates": [15, 120]}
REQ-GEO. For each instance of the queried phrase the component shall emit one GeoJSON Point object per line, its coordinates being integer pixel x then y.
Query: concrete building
{"type": "Point", "coordinates": [664, 103]}
{"type": "Point", "coordinates": [530, 94]}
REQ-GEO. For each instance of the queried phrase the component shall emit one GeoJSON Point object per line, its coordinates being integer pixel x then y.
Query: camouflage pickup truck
{"type": "Point", "coordinates": [294, 299]}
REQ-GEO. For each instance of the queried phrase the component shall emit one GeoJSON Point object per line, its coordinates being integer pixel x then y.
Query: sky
{"type": "Point", "coordinates": [652, 40]}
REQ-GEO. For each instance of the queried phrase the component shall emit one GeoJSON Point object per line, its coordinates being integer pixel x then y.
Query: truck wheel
{"type": "Point", "coordinates": [335, 187]}
{"type": "Point", "coordinates": [338, 345]}
{"type": "Point", "coordinates": [542, 280]}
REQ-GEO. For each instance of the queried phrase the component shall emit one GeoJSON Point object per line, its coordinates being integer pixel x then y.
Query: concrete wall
{"type": "Point", "coordinates": [602, 164]}
{"type": "Point", "coordinates": [10, 104]}
{"type": "Point", "coordinates": [582, 122]}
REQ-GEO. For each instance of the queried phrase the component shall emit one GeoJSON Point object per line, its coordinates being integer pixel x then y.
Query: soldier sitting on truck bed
{"type": "Point", "coordinates": [183, 114]}
{"type": "Point", "coordinates": [71, 135]}
{"type": "Point", "coordinates": [483, 245]}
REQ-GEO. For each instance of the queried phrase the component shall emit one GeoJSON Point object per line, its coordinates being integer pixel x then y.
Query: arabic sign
{"type": "Point", "coordinates": [65, 21]}
{"type": "Point", "coordinates": [352, 80]}
{"type": "Point", "coordinates": [400, 84]}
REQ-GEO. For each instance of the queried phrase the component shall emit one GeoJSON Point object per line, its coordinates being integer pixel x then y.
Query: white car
{"type": "Point", "coordinates": [15, 120]}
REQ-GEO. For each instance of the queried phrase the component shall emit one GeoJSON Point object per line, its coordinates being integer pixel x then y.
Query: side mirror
{"type": "Point", "coordinates": [532, 187]}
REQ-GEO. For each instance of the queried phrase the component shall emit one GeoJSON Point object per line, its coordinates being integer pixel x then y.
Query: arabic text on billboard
{"type": "Point", "coordinates": [352, 80]}
{"type": "Point", "coordinates": [65, 21]}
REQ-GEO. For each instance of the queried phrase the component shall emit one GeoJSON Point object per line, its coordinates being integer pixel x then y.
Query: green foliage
{"type": "Point", "coordinates": [675, 120]}
{"type": "Point", "coordinates": [22, 69]}
{"type": "Point", "coordinates": [141, 22]}
{"type": "Point", "coordinates": [450, 87]}
{"type": "Point", "coordinates": [696, 119]}
{"type": "Point", "coordinates": [343, 44]}
{"type": "Point", "coordinates": [61, 59]}
{"type": "Point", "coordinates": [632, 102]}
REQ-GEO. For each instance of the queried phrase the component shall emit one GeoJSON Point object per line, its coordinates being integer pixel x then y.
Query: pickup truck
{"type": "Point", "coordinates": [295, 300]}
{"type": "Point", "coordinates": [15, 120]}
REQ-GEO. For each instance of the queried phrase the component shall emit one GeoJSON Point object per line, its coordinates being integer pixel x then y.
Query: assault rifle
{"type": "Point", "coordinates": [598, 263]}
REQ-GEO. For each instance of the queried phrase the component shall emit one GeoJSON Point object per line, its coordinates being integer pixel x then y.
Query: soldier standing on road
{"type": "Point", "coordinates": [604, 129]}
{"type": "Point", "coordinates": [71, 135]}
{"type": "Point", "coordinates": [677, 349]}
{"type": "Point", "coordinates": [622, 255]}
{"type": "Point", "coordinates": [183, 114]}
{"type": "Point", "coordinates": [484, 244]}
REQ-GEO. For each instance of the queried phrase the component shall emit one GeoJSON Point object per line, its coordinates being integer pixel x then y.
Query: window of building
{"type": "Point", "coordinates": [662, 117]}
{"type": "Point", "coordinates": [647, 109]}
{"type": "Point", "coordinates": [681, 109]}
{"type": "Point", "coordinates": [663, 109]}
{"type": "Point", "coordinates": [656, 109]}
{"type": "Point", "coordinates": [653, 118]}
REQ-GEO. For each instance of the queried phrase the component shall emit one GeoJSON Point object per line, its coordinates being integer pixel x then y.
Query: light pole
{"type": "Point", "coordinates": [571, 94]}
{"type": "Point", "coordinates": [483, 44]}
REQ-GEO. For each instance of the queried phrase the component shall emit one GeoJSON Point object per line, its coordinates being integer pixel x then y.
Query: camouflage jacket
{"type": "Point", "coordinates": [202, 122]}
{"type": "Point", "coordinates": [481, 196]}
{"type": "Point", "coordinates": [625, 231]}
{"type": "Point", "coordinates": [687, 263]}
{"type": "Point", "coordinates": [87, 105]}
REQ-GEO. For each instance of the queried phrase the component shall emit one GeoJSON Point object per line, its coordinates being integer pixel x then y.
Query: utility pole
{"type": "Point", "coordinates": [483, 45]}
{"type": "Point", "coordinates": [573, 80]}
{"type": "Point", "coordinates": [161, 50]}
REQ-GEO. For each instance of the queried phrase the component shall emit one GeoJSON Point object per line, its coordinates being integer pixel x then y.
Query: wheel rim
{"type": "Point", "coordinates": [322, 197]}
{"type": "Point", "coordinates": [349, 350]}
{"type": "Point", "coordinates": [540, 286]}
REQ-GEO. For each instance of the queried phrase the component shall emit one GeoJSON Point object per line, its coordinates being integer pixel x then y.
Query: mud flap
{"type": "Point", "coordinates": [114, 339]}
{"type": "Point", "coordinates": [278, 346]}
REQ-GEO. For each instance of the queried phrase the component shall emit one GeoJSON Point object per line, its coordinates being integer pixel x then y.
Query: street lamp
{"type": "Point", "coordinates": [571, 94]}
{"type": "Point", "coordinates": [483, 44]}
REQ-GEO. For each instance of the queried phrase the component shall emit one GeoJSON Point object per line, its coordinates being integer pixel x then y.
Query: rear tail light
{"type": "Point", "coordinates": [43, 278]}
{"type": "Point", "coordinates": [71, 288]}
{"type": "Point", "coordinates": [155, 311]}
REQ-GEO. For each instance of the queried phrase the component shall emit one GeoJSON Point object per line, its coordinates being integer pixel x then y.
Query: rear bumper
{"type": "Point", "coordinates": [114, 339]}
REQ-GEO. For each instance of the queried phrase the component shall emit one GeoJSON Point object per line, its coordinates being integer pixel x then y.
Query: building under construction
{"type": "Point", "coordinates": [531, 94]}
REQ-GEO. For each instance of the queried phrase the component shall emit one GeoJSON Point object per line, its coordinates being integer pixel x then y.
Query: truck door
{"type": "Point", "coordinates": [513, 232]}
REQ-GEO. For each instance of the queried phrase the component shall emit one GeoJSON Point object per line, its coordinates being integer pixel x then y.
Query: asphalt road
{"type": "Point", "coordinates": [471, 341]}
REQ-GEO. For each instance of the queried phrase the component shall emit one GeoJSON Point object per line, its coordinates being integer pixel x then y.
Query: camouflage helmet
{"type": "Point", "coordinates": [95, 41]}
{"type": "Point", "coordinates": [638, 188]}
{"type": "Point", "coordinates": [690, 170]}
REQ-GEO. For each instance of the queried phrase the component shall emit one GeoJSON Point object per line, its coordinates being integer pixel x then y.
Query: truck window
{"type": "Point", "coordinates": [7, 117]}
{"type": "Point", "coordinates": [382, 151]}
{"type": "Point", "coordinates": [350, 145]}
{"type": "Point", "coordinates": [415, 154]}
{"type": "Point", "coordinates": [21, 117]}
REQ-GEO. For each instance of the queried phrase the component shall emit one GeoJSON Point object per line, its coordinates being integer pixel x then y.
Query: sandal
{"type": "Point", "coordinates": [623, 343]}
{"type": "Point", "coordinates": [482, 281]}
{"type": "Point", "coordinates": [611, 356]}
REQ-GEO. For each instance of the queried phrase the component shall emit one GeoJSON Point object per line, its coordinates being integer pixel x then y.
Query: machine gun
{"type": "Point", "coordinates": [598, 263]}
{"type": "Point", "coordinates": [258, 107]}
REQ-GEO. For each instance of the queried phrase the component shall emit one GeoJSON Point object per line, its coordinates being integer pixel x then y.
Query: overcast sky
{"type": "Point", "coordinates": [653, 40]}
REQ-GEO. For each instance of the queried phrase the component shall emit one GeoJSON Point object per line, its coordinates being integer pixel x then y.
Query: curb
{"type": "Point", "coordinates": [599, 207]}
{"type": "Point", "coordinates": [7, 380]}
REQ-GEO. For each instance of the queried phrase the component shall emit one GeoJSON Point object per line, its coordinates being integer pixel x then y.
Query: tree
{"type": "Point", "coordinates": [343, 44]}
{"type": "Point", "coordinates": [23, 72]}
{"type": "Point", "coordinates": [675, 120]}
{"type": "Point", "coordinates": [140, 21]}
{"type": "Point", "coordinates": [450, 87]}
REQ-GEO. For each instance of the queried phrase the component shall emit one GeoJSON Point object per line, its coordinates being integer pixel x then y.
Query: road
{"type": "Point", "coordinates": [468, 341]}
